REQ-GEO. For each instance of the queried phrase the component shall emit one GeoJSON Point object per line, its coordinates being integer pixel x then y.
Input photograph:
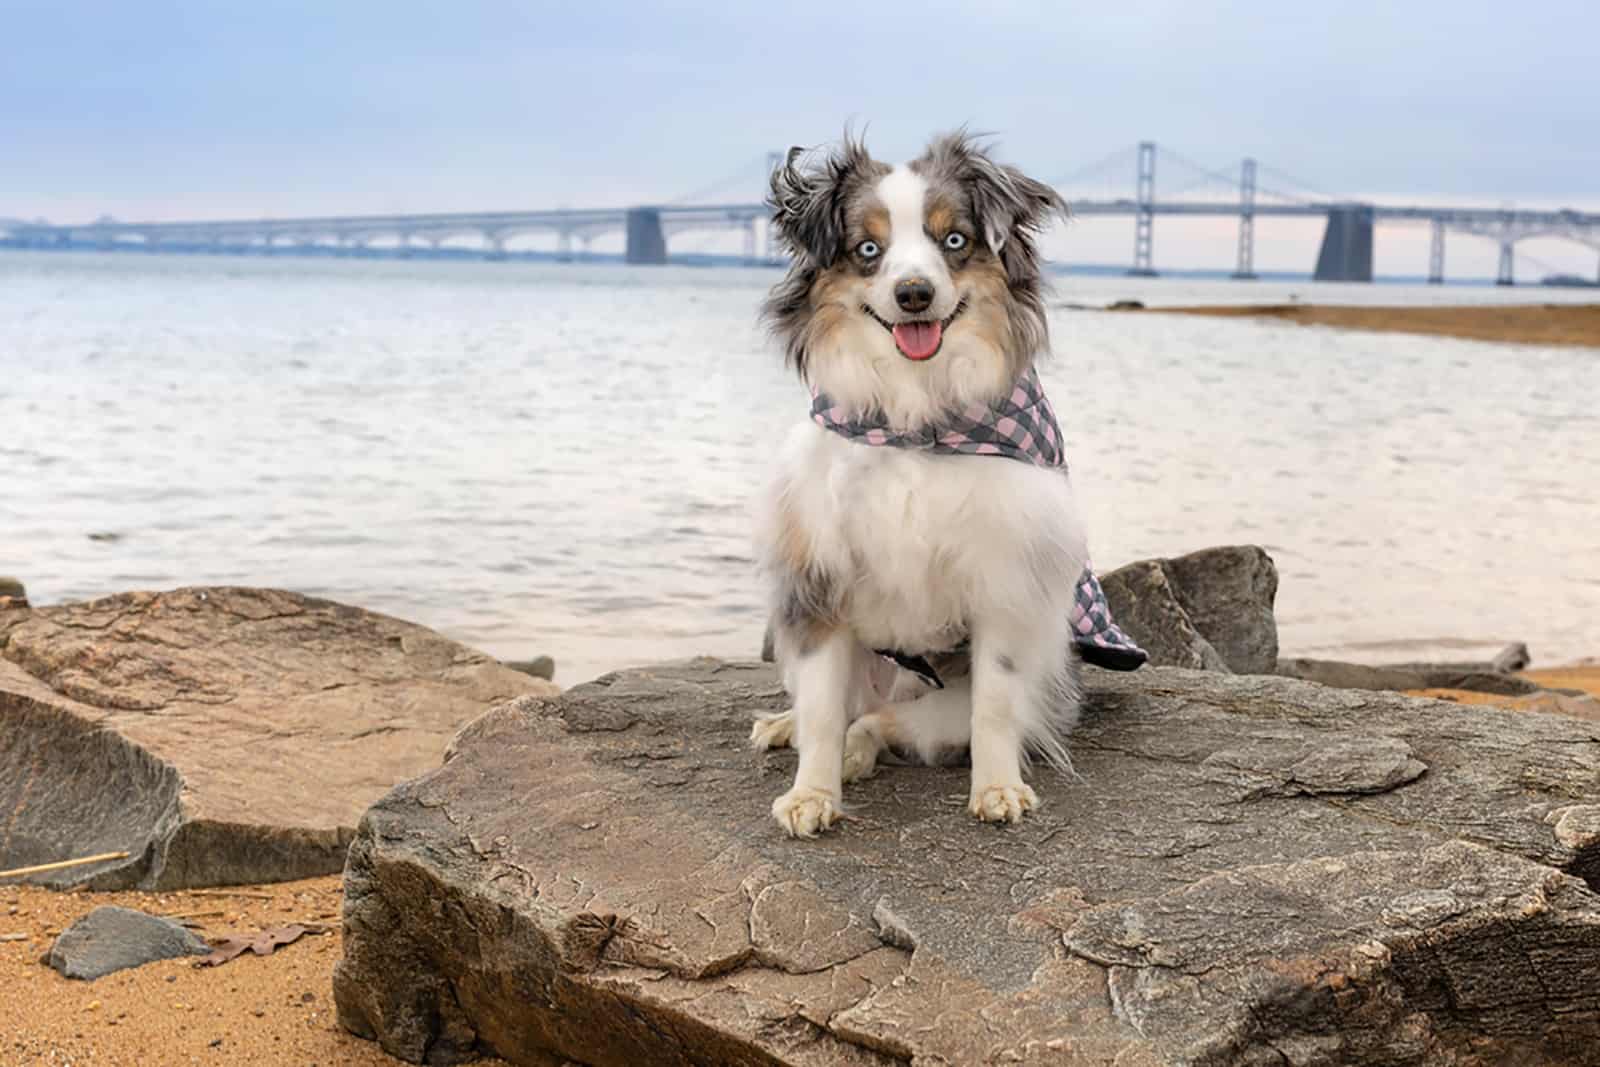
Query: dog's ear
{"type": "Point", "coordinates": [1008, 201]}
{"type": "Point", "coordinates": [808, 203]}
{"type": "Point", "coordinates": [1010, 207]}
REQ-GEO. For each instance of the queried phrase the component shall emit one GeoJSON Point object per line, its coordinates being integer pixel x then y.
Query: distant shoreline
{"type": "Point", "coordinates": [1538, 324]}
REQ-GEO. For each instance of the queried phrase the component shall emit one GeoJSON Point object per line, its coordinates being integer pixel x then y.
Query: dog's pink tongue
{"type": "Point", "coordinates": [918, 340]}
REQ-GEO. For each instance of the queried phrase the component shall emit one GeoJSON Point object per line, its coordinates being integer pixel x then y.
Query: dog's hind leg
{"type": "Point", "coordinates": [931, 726]}
{"type": "Point", "coordinates": [772, 731]}
{"type": "Point", "coordinates": [776, 730]}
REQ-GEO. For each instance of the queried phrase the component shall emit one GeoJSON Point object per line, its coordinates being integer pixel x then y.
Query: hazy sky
{"type": "Point", "coordinates": [171, 110]}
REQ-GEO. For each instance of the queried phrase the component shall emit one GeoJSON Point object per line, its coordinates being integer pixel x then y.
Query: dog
{"type": "Point", "coordinates": [914, 294]}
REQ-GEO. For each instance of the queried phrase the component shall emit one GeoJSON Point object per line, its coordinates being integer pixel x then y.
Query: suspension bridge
{"type": "Point", "coordinates": [1188, 189]}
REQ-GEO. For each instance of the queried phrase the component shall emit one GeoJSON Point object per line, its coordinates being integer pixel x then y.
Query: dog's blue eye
{"type": "Point", "coordinates": [955, 241]}
{"type": "Point", "coordinates": [867, 249]}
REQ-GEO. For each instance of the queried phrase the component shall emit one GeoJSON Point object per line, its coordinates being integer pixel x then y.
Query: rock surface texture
{"type": "Point", "coordinates": [219, 736]}
{"type": "Point", "coordinates": [1245, 870]}
{"type": "Point", "coordinates": [112, 939]}
{"type": "Point", "coordinates": [1209, 610]}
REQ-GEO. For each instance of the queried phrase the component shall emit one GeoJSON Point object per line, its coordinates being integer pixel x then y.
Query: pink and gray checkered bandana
{"type": "Point", "coordinates": [1022, 427]}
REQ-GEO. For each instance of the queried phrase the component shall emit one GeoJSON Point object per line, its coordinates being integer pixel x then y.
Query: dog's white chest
{"type": "Point", "coordinates": [924, 543]}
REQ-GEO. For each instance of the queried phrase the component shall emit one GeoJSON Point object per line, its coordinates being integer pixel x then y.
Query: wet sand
{"type": "Point", "coordinates": [267, 1010]}
{"type": "Point", "coordinates": [1583, 676]}
{"type": "Point", "coordinates": [1542, 324]}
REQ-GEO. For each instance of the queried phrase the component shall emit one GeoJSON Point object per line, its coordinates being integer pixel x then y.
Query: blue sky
{"type": "Point", "coordinates": [172, 109]}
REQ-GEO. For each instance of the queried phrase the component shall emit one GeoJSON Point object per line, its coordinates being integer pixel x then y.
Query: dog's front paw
{"type": "Point", "coordinates": [803, 811]}
{"type": "Point", "coordinates": [772, 731]}
{"type": "Point", "coordinates": [1002, 803]}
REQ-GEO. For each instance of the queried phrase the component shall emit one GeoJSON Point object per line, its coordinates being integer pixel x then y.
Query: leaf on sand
{"type": "Point", "coordinates": [262, 943]}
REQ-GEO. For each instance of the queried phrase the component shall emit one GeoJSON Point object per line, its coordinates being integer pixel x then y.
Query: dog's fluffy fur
{"type": "Point", "coordinates": [885, 548]}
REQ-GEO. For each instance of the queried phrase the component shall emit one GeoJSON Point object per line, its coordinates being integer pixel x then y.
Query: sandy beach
{"type": "Point", "coordinates": [275, 1009]}
{"type": "Point", "coordinates": [1542, 324]}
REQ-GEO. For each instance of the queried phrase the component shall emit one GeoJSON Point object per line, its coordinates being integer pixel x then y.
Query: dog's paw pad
{"type": "Point", "coordinates": [805, 812]}
{"type": "Point", "coordinates": [1003, 803]}
{"type": "Point", "coordinates": [773, 731]}
{"type": "Point", "coordinates": [860, 755]}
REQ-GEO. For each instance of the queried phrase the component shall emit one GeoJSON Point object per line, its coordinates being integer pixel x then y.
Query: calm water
{"type": "Point", "coordinates": [558, 459]}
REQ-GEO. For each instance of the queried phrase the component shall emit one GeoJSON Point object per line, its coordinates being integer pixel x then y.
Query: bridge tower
{"type": "Point", "coordinates": [1346, 253]}
{"type": "Point", "coordinates": [647, 242]}
{"type": "Point", "coordinates": [1507, 272]}
{"type": "Point", "coordinates": [1436, 254]}
{"type": "Point", "coordinates": [1144, 220]}
{"type": "Point", "coordinates": [1246, 268]}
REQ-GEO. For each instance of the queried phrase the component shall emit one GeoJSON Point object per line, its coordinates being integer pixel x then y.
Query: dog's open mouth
{"type": "Point", "coordinates": [918, 340]}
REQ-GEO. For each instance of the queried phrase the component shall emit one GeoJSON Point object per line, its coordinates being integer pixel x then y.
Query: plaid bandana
{"type": "Point", "coordinates": [1021, 427]}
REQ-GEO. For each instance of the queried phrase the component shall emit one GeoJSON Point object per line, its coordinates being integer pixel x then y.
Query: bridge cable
{"type": "Point", "coordinates": [1100, 167]}
{"type": "Point", "coordinates": [739, 176]}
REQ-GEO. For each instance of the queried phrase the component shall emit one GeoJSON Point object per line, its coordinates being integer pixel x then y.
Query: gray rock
{"type": "Point", "coordinates": [12, 587]}
{"type": "Point", "coordinates": [1228, 594]}
{"type": "Point", "coordinates": [1209, 610]}
{"type": "Point", "coordinates": [1146, 605]}
{"type": "Point", "coordinates": [537, 667]}
{"type": "Point", "coordinates": [113, 939]}
{"type": "Point", "coordinates": [1243, 870]}
{"type": "Point", "coordinates": [1403, 676]}
{"type": "Point", "coordinates": [220, 736]}
{"type": "Point", "coordinates": [1514, 657]}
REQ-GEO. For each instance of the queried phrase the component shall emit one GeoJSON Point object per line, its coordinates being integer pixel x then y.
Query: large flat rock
{"type": "Point", "coordinates": [220, 735]}
{"type": "Point", "coordinates": [1245, 870]}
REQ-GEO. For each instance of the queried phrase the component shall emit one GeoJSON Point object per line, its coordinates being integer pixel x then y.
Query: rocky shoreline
{"type": "Point", "coordinates": [1539, 324]}
{"type": "Point", "coordinates": [1246, 865]}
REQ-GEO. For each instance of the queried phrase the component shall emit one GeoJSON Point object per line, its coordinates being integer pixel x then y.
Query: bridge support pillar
{"type": "Point", "coordinates": [564, 246]}
{"type": "Point", "coordinates": [1346, 254]}
{"type": "Point", "coordinates": [647, 242]}
{"type": "Point", "coordinates": [1506, 275]}
{"type": "Point", "coordinates": [1436, 254]}
{"type": "Point", "coordinates": [1144, 221]}
{"type": "Point", "coordinates": [1246, 268]}
{"type": "Point", "coordinates": [497, 245]}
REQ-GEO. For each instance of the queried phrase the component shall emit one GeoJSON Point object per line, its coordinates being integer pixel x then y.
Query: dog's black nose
{"type": "Point", "coordinates": [913, 294]}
